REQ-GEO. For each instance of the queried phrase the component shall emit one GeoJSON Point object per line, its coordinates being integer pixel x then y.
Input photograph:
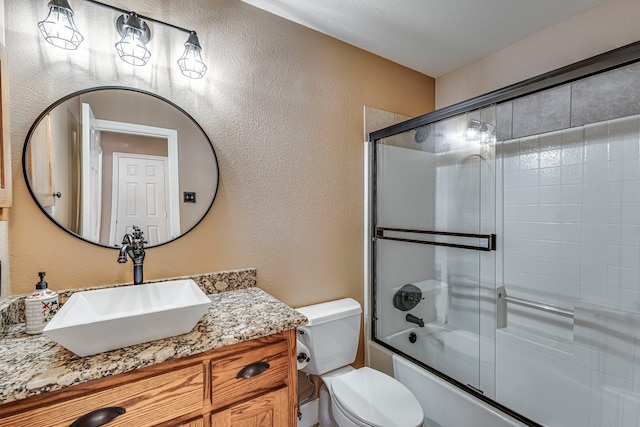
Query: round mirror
{"type": "Point", "coordinates": [103, 160]}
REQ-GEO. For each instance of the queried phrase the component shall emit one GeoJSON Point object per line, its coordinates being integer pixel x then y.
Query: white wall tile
{"type": "Point", "coordinates": [573, 194]}
{"type": "Point", "coordinates": [614, 192]}
{"type": "Point", "coordinates": [616, 148]}
{"type": "Point", "coordinates": [595, 233]}
{"type": "Point", "coordinates": [594, 254]}
{"type": "Point", "coordinates": [529, 178]}
{"type": "Point", "coordinates": [630, 279]}
{"type": "Point", "coordinates": [570, 233]}
{"type": "Point", "coordinates": [572, 155]}
{"type": "Point", "coordinates": [550, 176]}
{"type": "Point", "coordinates": [630, 168]}
{"type": "Point", "coordinates": [570, 251]}
{"type": "Point", "coordinates": [595, 151]}
{"type": "Point", "coordinates": [550, 158]}
{"type": "Point", "coordinates": [550, 213]}
{"type": "Point", "coordinates": [593, 293]}
{"type": "Point", "coordinates": [614, 213]}
{"type": "Point", "coordinates": [614, 170]}
{"type": "Point", "coordinates": [595, 172]}
{"type": "Point", "coordinates": [571, 174]}
{"type": "Point", "coordinates": [549, 194]}
{"type": "Point", "coordinates": [614, 255]}
{"type": "Point", "coordinates": [630, 257]}
{"type": "Point", "coordinates": [631, 191]}
{"type": "Point", "coordinates": [550, 249]}
{"type": "Point", "coordinates": [595, 213]}
{"type": "Point", "coordinates": [571, 213]}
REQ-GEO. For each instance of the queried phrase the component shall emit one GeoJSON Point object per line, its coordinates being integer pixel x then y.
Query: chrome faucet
{"type": "Point", "coordinates": [413, 319]}
{"type": "Point", "coordinates": [133, 245]}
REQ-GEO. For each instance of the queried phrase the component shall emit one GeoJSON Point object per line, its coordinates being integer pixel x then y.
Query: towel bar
{"type": "Point", "coordinates": [502, 299]}
{"type": "Point", "coordinates": [490, 238]}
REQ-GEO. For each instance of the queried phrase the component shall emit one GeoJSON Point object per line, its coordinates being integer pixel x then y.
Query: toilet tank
{"type": "Point", "coordinates": [331, 335]}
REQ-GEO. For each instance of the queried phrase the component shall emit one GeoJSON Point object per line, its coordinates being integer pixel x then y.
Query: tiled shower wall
{"type": "Point", "coordinates": [570, 190]}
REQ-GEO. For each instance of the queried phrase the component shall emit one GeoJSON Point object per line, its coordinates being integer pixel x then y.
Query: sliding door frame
{"type": "Point", "coordinates": [598, 64]}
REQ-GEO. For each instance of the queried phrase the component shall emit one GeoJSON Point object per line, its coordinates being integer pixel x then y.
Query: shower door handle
{"type": "Point", "coordinates": [490, 238]}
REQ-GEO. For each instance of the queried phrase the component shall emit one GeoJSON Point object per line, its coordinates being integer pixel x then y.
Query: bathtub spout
{"type": "Point", "coordinates": [413, 319]}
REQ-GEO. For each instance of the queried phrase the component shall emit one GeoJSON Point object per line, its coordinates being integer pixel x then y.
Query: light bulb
{"type": "Point", "coordinates": [191, 63]}
{"type": "Point", "coordinates": [58, 27]}
{"type": "Point", "coordinates": [132, 48]}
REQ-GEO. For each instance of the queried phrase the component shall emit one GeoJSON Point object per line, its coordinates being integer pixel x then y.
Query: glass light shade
{"type": "Point", "coordinates": [487, 137]}
{"type": "Point", "coordinates": [191, 63]}
{"type": "Point", "coordinates": [473, 130]}
{"type": "Point", "coordinates": [132, 48]}
{"type": "Point", "coordinates": [479, 131]}
{"type": "Point", "coordinates": [58, 28]}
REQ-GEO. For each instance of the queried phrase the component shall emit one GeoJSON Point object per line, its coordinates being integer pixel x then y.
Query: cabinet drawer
{"type": "Point", "coordinates": [228, 388]}
{"type": "Point", "coordinates": [148, 401]}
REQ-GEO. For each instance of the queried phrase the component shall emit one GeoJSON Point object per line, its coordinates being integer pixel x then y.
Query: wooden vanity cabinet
{"type": "Point", "coordinates": [247, 384]}
{"type": "Point", "coordinates": [5, 131]}
{"type": "Point", "coordinates": [5, 140]}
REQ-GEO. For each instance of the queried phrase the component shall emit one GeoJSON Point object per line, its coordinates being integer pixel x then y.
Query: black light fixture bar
{"type": "Point", "coordinates": [144, 18]}
{"type": "Point", "coordinates": [59, 30]}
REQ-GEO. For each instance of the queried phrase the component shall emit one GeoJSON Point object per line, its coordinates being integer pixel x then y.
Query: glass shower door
{"type": "Point", "coordinates": [434, 225]}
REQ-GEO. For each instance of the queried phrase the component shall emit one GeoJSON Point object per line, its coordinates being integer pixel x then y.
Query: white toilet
{"type": "Point", "coordinates": [358, 397]}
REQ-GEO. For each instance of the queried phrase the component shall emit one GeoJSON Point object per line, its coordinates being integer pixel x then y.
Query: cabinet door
{"type": "Point", "coordinates": [5, 135]}
{"type": "Point", "coordinates": [268, 410]}
{"type": "Point", "coordinates": [194, 423]}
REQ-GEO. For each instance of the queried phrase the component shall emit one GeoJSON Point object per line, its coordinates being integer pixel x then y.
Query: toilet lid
{"type": "Point", "coordinates": [377, 399]}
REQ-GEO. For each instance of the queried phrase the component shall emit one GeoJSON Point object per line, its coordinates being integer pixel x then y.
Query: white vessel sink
{"type": "Point", "coordinates": [95, 321]}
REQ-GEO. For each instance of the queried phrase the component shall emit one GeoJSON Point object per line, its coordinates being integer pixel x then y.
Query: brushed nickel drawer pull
{"type": "Point", "coordinates": [252, 370]}
{"type": "Point", "coordinates": [98, 417]}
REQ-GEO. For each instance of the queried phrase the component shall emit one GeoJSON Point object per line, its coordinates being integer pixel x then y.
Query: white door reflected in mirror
{"type": "Point", "coordinates": [140, 184]}
{"type": "Point", "coordinates": [91, 166]}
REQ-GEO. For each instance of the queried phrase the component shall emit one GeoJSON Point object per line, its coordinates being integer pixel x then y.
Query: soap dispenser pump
{"type": "Point", "coordinates": [40, 306]}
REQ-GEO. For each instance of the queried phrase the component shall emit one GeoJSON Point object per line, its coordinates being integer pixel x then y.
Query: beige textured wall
{"type": "Point", "coordinates": [283, 106]}
{"type": "Point", "coordinates": [603, 28]}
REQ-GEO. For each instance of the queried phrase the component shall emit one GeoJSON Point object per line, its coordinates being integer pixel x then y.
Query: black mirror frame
{"type": "Point", "coordinates": [42, 115]}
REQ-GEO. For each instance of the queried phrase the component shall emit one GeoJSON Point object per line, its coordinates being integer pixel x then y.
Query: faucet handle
{"type": "Point", "coordinates": [138, 235]}
{"type": "Point", "coordinates": [126, 239]}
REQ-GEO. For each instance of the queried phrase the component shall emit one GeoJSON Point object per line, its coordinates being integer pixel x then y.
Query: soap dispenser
{"type": "Point", "coordinates": [40, 306]}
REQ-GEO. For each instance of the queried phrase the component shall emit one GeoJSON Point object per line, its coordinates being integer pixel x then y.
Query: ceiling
{"type": "Point", "coordinates": [429, 36]}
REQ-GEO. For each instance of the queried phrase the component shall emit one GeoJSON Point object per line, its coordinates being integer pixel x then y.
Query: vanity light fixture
{"type": "Point", "coordinates": [58, 27]}
{"type": "Point", "coordinates": [479, 131]}
{"type": "Point", "coordinates": [59, 30]}
{"type": "Point", "coordinates": [190, 62]}
{"type": "Point", "coordinates": [132, 48]}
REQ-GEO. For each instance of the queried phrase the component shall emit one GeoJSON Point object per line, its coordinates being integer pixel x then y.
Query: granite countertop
{"type": "Point", "coordinates": [33, 364]}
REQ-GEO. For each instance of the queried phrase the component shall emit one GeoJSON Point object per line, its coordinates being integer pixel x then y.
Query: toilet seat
{"type": "Point", "coordinates": [375, 399]}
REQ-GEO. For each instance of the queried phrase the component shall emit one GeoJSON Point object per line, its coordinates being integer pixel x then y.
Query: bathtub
{"type": "Point", "coordinates": [453, 351]}
{"type": "Point", "coordinates": [445, 405]}
{"type": "Point", "coordinates": [552, 371]}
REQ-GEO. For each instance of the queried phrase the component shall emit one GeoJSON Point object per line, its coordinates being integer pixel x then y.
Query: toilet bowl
{"type": "Point", "coordinates": [366, 397]}
{"type": "Point", "coordinates": [353, 397]}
